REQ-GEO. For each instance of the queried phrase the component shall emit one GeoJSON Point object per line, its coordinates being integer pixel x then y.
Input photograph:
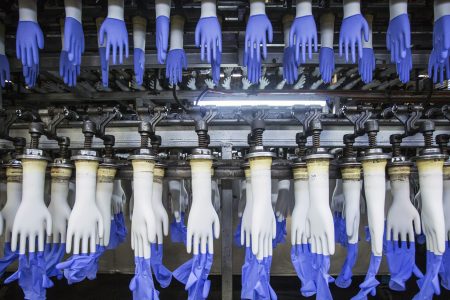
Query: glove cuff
{"type": "Point", "coordinates": [257, 7]}
{"type": "Point", "coordinates": [208, 9]}
{"type": "Point", "coordinates": [115, 9]}
{"type": "Point", "coordinates": [139, 30]}
{"type": "Point", "coordinates": [176, 32]}
{"type": "Point", "coordinates": [351, 8]}
{"type": "Point", "coordinates": [162, 8]}
{"type": "Point", "coordinates": [441, 9]}
{"type": "Point", "coordinates": [27, 10]}
{"type": "Point", "coordinates": [397, 8]}
{"type": "Point", "coordinates": [2, 39]}
{"type": "Point", "coordinates": [303, 8]}
{"type": "Point", "coordinates": [73, 9]}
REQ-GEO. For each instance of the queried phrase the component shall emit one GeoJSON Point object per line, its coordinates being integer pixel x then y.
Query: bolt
{"type": "Point", "coordinates": [36, 130]}
{"type": "Point", "coordinates": [349, 140]}
{"type": "Point", "coordinates": [88, 132]}
{"type": "Point", "coordinates": [109, 143]}
{"type": "Point", "coordinates": [300, 139]}
{"type": "Point", "coordinates": [395, 141]}
{"type": "Point", "coordinates": [316, 128]}
{"type": "Point", "coordinates": [201, 128]}
{"type": "Point", "coordinates": [144, 130]}
{"type": "Point", "coordinates": [19, 145]}
{"type": "Point", "coordinates": [156, 142]}
{"type": "Point", "coordinates": [427, 129]}
{"type": "Point", "coordinates": [258, 127]}
{"type": "Point", "coordinates": [372, 128]}
{"type": "Point", "coordinates": [64, 143]}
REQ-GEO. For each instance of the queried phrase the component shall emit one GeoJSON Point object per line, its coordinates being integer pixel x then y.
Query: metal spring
{"type": "Point", "coordinates": [302, 151]}
{"type": "Point", "coordinates": [88, 141]}
{"type": "Point", "coordinates": [108, 151]}
{"type": "Point", "coordinates": [428, 139]}
{"type": "Point", "coordinates": [316, 139]}
{"type": "Point", "coordinates": [202, 139]}
{"type": "Point", "coordinates": [396, 149]}
{"type": "Point", "coordinates": [372, 140]}
{"type": "Point", "coordinates": [64, 151]}
{"type": "Point", "coordinates": [348, 150]}
{"type": "Point", "coordinates": [34, 144]}
{"type": "Point", "coordinates": [258, 136]}
{"type": "Point", "coordinates": [144, 141]}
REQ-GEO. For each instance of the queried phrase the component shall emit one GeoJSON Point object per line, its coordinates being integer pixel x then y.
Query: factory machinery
{"type": "Point", "coordinates": [314, 179]}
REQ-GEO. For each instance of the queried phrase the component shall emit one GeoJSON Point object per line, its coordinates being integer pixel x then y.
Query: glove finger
{"type": "Point", "coordinates": [84, 244]}
{"type": "Point", "coordinates": [196, 244]}
{"type": "Point", "coordinates": [76, 243]}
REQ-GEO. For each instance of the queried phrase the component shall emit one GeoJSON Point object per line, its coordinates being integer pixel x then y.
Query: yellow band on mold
{"type": "Point", "coordinates": [399, 172]}
{"type": "Point", "coordinates": [352, 173]}
{"type": "Point", "coordinates": [260, 163]}
{"type": "Point", "coordinates": [143, 165]}
{"type": "Point", "coordinates": [300, 173]}
{"type": "Point", "coordinates": [59, 173]}
{"type": "Point", "coordinates": [201, 165]}
{"type": "Point", "coordinates": [318, 165]}
{"type": "Point", "coordinates": [106, 174]}
{"type": "Point", "coordinates": [13, 174]}
{"type": "Point", "coordinates": [374, 165]}
{"type": "Point", "coordinates": [426, 165]}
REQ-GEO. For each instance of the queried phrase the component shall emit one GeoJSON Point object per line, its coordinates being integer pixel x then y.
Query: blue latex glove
{"type": "Point", "coordinates": [303, 32]}
{"type": "Point", "coordinates": [116, 38]}
{"type": "Point", "coordinates": [68, 70]}
{"type": "Point", "coordinates": [162, 37]}
{"type": "Point", "coordinates": [74, 40]}
{"type": "Point", "coordinates": [253, 67]}
{"type": "Point", "coordinates": [350, 36]}
{"type": "Point", "coordinates": [280, 237]}
{"type": "Point", "coordinates": [178, 231]}
{"type": "Point", "coordinates": [215, 67]}
{"type": "Point", "coordinates": [441, 37]}
{"type": "Point", "coordinates": [208, 36]}
{"type": "Point", "coordinates": [436, 68]}
{"type": "Point", "coordinates": [139, 65]}
{"type": "Point", "coordinates": [262, 289]}
{"type": "Point", "coordinates": [194, 274]}
{"type": "Point", "coordinates": [162, 274]}
{"type": "Point", "coordinates": [8, 258]}
{"type": "Point", "coordinates": [366, 65]}
{"type": "Point", "coordinates": [290, 67]}
{"type": "Point", "coordinates": [104, 66]}
{"type": "Point", "coordinates": [29, 39]}
{"type": "Point", "coordinates": [142, 284]}
{"type": "Point", "coordinates": [237, 234]}
{"type": "Point", "coordinates": [344, 280]}
{"type": "Point", "coordinates": [429, 284]}
{"type": "Point", "coordinates": [54, 253]}
{"type": "Point", "coordinates": [444, 271]}
{"type": "Point", "coordinates": [326, 63]}
{"type": "Point", "coordinates": [401, 262]}
{"type": "Point", "coordinates": [249, 274]}
{"type": "Point", "coordinates": [118, 231]}
{"type": "Point", "coordinates": [4, 70]}
{"type": "Point", "coordinates": [81, 266]}
{"type": "Point", "coordinates": [30, 75]}
{"type": "Point", "coordinates": [302, 260]}
{"type": "Point", "coordinates": [176, 62]}
{"type": "Point", "coordinates": [369, 286]}
{"type": "Point", "coordinates": [404, 67]}
{"type": "Point", "coordinates": [340, 230]}
{"type": "Point", "coordinates": [322, 266]}
{"type": "Point", "coordinates": [32, 276]}
{"type": "Point", "coordinates": [398, 37]}
{"type": "Point", "coordinates": [259, 31]}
